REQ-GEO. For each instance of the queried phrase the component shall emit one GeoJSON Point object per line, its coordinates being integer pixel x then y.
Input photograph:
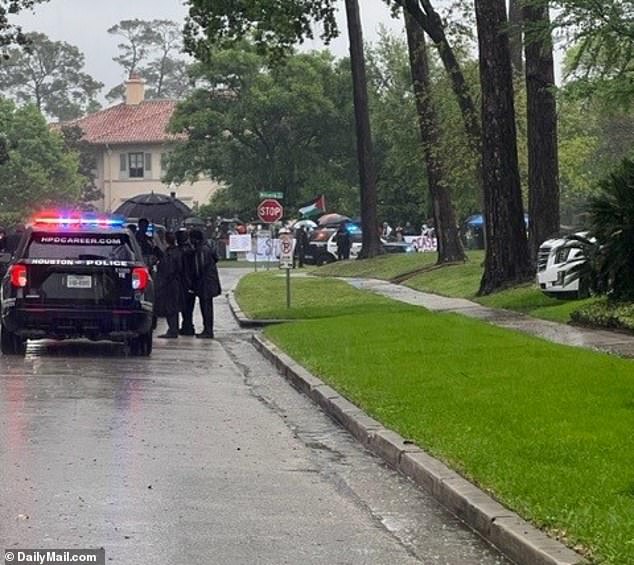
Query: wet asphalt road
{"type": "Point", "coordinates": [201, 454]}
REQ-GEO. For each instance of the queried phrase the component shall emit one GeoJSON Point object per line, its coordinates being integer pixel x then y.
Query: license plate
{"type": "Point", "coordinates": [79, 281]}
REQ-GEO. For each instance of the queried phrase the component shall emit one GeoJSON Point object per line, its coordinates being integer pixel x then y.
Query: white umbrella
{"type": "Point", "coordinates": [305, 224]}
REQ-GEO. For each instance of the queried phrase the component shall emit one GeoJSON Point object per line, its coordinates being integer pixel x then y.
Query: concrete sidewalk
{"type": "Point", "coordinates": [601, 340]}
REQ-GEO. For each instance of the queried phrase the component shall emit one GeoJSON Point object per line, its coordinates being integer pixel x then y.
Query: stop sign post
{"type": "Point", "coordinates": [270, 211]}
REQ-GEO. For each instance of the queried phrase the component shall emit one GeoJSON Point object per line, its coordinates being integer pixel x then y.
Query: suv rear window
{"type": "Point", "coordinates": [322, 234]}
{"type": "Point", "coordinates": [80, 246]}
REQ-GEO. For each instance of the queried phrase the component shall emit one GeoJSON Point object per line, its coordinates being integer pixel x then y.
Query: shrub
{"type": "Point", "coordinates": [612, 219]}
{"type": "Point", "coordinates": [606, 314]}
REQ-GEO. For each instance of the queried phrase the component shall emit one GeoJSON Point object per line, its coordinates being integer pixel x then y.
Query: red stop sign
{"type": "Point", "coordinates": [270, 211]}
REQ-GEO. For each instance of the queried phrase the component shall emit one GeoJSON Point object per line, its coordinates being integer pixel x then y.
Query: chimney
{"type": "Point", "coordinates": [134, 90]}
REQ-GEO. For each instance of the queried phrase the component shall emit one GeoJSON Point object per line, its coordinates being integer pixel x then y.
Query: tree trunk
{"type": "Point", "coordinates": [541, 111]}
{"type": "Point", "coordinates": [507, 259]}
{"type": "Point", "coordinates": [516, 36]}
{"type": "Point", "coordinates": [365, 152]}
{"type": "Point", "coordinates": [432, 24]}
{"type": "Point", "coordinates": [449, 245]}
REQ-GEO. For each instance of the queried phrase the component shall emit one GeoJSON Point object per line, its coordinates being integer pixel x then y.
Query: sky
{"type": "Point", "coordinates": [84, 23]}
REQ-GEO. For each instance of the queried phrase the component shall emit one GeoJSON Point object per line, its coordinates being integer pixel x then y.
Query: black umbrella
{"type": "Point", "coordinates": [194, 221]}
{"type": "Point", "coordinates": [157, 208]}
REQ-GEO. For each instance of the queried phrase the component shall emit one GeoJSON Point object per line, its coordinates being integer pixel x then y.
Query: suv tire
{"type": "Point", "coordinates": [325, 259]}
{"type": "Point", "coordinates": [10, 343]}
{"type": "Point", "coordinates": [141, 346]}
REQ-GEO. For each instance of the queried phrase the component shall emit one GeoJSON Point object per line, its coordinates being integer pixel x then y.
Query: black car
{"type": "Point", "coordinates": [77, 278]}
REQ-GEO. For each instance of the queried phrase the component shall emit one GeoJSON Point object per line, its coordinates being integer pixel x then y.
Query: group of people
{"type": "Point", "coordinates": [186, 269]}
{"type": "Point", "coordinates": [398, 233]}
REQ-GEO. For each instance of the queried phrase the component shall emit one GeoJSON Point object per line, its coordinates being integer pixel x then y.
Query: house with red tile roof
{"type": "Point", "coordinates": [131, 141]}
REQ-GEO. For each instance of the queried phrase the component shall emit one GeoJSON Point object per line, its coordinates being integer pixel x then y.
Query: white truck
{"type": "Point", "coordinates": [555, 260]}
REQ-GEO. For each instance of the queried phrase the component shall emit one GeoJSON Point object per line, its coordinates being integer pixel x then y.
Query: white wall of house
{"type": "Point", "coordinates": [129, 170]}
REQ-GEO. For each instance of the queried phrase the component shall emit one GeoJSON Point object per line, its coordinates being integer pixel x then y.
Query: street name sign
{"type": "Point", "coordinates": [276, 195]}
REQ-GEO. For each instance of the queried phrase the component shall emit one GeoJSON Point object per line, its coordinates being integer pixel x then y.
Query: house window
{"type": "Point", "coordinates": [135, 165]}
{"type": "Point", "coordinates": [136, 162]}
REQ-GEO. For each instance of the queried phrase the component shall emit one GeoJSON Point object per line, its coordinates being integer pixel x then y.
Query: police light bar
{"type": "Point", "coordinates": [80, 220]}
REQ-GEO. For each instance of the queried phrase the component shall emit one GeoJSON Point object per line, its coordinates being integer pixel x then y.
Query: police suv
{"type": "Point", "coordinates": [77, 277]}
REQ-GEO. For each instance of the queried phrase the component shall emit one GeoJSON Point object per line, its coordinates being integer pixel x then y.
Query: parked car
{"type": "Point", "coordinates": [555, 261]}
{"type": "Point", "coordinates": [322, 247]}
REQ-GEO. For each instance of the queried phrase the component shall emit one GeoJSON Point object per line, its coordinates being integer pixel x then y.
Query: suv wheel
{"type": "Point", "coordinates": [324, 259]}
{"type": "Point", "coordinates": [141, 346]}
{"type": "Point", "coordinates": [10, 343]}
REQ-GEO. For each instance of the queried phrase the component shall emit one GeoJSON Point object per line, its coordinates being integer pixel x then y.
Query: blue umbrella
{"type": "Point", "coordinates": [478, 220]}
{"type": "Point", "coordinates": [475, 220]}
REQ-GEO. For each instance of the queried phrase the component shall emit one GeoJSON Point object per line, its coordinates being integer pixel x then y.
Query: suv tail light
{"type": "Point", "coordinates": [140, 278]}
{"type": "Point", "coordinates": [18, 275]}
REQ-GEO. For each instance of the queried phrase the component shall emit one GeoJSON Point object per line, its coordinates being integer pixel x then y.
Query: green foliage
{"type": "Point", "coordinates": [592, 142]}
{"type": "Point", "coordinates": [612, 220]}
{"type": "Point", "coordinates": [9, 220]}
{"type": "Point", "coordinates": [40, 170]}
{"type": "Point", "coordinates": [275, 27]}
{"type": "Point", "coordinates": [50, 75]}
{"type": "Point", "coordinates": [455, 146]}
{"type": "Point", "coordinates": [73, 140]}
{"type": "Point", "coordinates": [152, 49]}
{"type": "Point", "coordinates": [401, 179]}
{"type": "Point", "coordinates": [258, 127]}
{"type": "Point", "coordinates": [606, 314]}
{"type": "Point", "coordinates": [9, 33]}
{"type": "Point", "coordinates": [402, 182]}
{"type": "Point", "coordinates": [600, 61]}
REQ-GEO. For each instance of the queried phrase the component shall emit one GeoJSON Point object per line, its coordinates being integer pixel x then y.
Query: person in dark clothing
{"type": "Point", "coordinates": [169, 286]}
{"type": "Point", "coordinates": [151, 253]}
{"type": "Point", "coordinates": [342, 239]}
{"type": "Point", "coordinates": [206, 283]}
{"type": "Point", "coordinates": [409, 229]}
{"type": "Point", "coordinates": [13, 240]}
{"type": "Point", "coordinates": [301, 245]}
{"type": "Point", "coordinates": [4, 263]}
{"type": "Point", "coordinates": [189, 297]}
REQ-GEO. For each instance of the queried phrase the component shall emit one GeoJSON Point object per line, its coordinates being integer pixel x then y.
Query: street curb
{"type": "Point", "coordinates": [243, 320]}
{"type": "Point", "coordinates": [514, 537]}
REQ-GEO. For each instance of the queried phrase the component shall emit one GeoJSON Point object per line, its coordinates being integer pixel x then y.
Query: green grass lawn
{"type": "Point", "coordinates": [385, 267]}
{"type": "Point", "coordinates": [263, 297]}
{"type": "Point", "coordinates": [530, 300]}
{"type": "Point", "coordinates": [458, 281]}
{"type": "Point", "coordinates": [546, 428]}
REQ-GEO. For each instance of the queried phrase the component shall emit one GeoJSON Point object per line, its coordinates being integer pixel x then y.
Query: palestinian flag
{"type": "Point", "coordinates": [313, 208]}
